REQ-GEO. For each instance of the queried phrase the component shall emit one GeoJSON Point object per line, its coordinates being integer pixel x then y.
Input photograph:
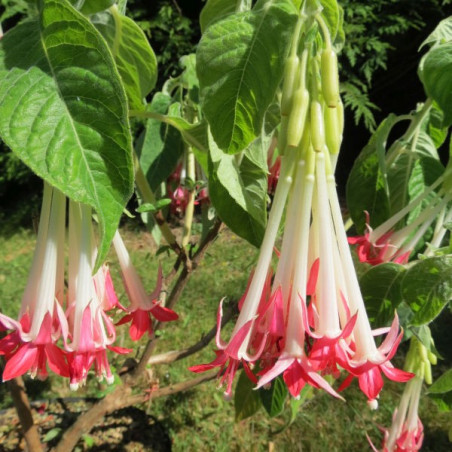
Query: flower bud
{"type": "Point", "coordinates": [330, 77]}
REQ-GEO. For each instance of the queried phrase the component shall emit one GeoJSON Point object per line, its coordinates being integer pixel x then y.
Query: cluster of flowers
{"type": "Point", "coordinates": [390, 243]}
{"type": "Point", "coordinates": [309, 319]}
{"type": "Point", "coordinates": [70, 330]}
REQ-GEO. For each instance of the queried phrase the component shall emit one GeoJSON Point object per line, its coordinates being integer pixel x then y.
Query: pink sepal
{"type": "Point", "coordinates": [21, 361]}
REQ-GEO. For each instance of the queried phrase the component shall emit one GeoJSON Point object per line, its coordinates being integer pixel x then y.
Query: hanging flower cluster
{"type": "Point", "coordinates": [310, 320]}
{"type": "Point", "coordinates": [70, 332]}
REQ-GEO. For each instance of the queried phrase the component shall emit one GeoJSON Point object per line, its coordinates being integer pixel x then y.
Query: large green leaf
{"type": "Point", "coordinates": [134, 56]}
{"type": "Point", "coordinates": [427, 288]}
{"type": "Point", "coordinates": [442, 33]}
{"type": "Point", "coordinates": [239, 191]}
{"type": "Point", "coordinates": [246, 399]}
{"type": "Point", "coordinates": [436, 75]}
{"type": "Point", "coordinates": [94, 6]}
{"type": "Point", "coordinates": [214, 10]}
{"type": "Point", "coordinates": [240, 62]}
{"type": "Point", "coordinates": [411, 174]}
{"type": "Point", "coordinates": [382, 291]}
{"type": "Point", "coordinates": [273, 398]}
{"type": "Point", "coordinates": [160, 145]}
{"type": "Point", "coordinates": [367, 188]}
{"type": "Point", "coordinates": [63, 111]}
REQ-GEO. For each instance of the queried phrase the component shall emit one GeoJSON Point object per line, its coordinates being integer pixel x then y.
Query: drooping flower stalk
{"type": "Point", "coordinates": [32, 344]}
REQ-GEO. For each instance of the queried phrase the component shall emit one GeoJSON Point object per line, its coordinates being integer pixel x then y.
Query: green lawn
{"type": "Point", "coordinates": [201, 419]}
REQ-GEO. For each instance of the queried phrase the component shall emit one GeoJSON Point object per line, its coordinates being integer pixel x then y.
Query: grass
{"type": "Point", "coordinates": [201, 419]}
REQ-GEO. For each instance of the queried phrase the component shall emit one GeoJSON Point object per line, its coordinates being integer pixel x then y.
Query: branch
{"type": "Point", "coordinates": [22, 405]}
{"type": "Point", "coordinates": [121, 397]}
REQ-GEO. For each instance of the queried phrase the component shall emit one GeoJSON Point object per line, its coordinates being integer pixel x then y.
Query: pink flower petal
{"type": "Point", "coordinates": [235, 343]}
{"type": "Point", "coordinates": [141, 324]}
{"type": "Point", "coordinates": [283, 363]}
{"type": "Point", "coordinates": [395, 374]}
{"type": "Point", "coordinates": [56, 360]}
{"type": "Point", "coordinates": [20, 362]}
{"type": "Point", "coordinates": [163, 314]}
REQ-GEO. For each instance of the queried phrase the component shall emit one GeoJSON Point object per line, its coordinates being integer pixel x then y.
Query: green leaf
{"type": "Point", "coordinates": [412, 173]}
{"type": "Point", "coordinates": [443, 402]}
{"type": "Point", "coordinates": [94, 6]}
{"type": "Point", "coordinates": [160, 146]}
{"type": "Point", "coordinates": [366, 188]}
{"type": "Point", "coordinates": [188, 78]}
{"type": "Point", "coordinates": [434, 126]}
{"type": "Point", "coordinates": [194, 134]}
{"type": "Point", "coordinates": [51, 434]}
{"type": "Point", "coordinates": [332, 16]}
{"type": "Point", "coordinates": [442, 33]}
{"type": "Point", "coordinates": [240, 65]}
{"type": "Point", "coordinates": [122, 4]}
{"type": "Point", "coordinates": [239, 192]}
{"type": "Point", "coordinates": [214, 10]}
{"type": "Point", "coordinates": [295, 403]}
{"type": "Point", "coordinates": [427, 288]}
{"type": "Point", "coordinates": [246, 399]}
{"type": "Point", "coordinates": [425, 172]}
{"type": "Point", "coordinates": [273, 398]}
{"type": "Point", "coordinates": [436, 75]}
{"type": "Point", "coordinates": [382, 291]}
{"type": "Point", "coordinates": [63, 111]}
{"type": "Point", "coordinates": [88, 440]}
{"type": "Point", "coordinates": [148, 207]}
{"type": "Point", "coordinates": [442, 384]}
{"type": "Point", "coordinates": [134, 57]}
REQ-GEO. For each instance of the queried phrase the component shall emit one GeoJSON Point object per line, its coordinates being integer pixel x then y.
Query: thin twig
{"type": "Point", "coordinates": [167, 390]}
{"type": "Point", "coordinates": [175, 355]}
{"type": "Point", "coordinates": [176, 5]}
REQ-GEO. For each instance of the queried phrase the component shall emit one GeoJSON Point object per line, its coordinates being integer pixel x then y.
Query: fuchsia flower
{"type": "Point", "coordinates": [91, 330]}
{"type": "Point", "coordinates": [377, 251]}
{"type": "Point", "coordinates": [143, 306]}
{"type": "Point", "coordinates": [179, 199]}
{"type": "Point", "coordinates": [407, 432]}
{"type": "Point", "coordinates": [31, 346]}
{"type": "Point", "coordinates": [273, 175]}
{"type": "Point", "coordinates": [386, 244]}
